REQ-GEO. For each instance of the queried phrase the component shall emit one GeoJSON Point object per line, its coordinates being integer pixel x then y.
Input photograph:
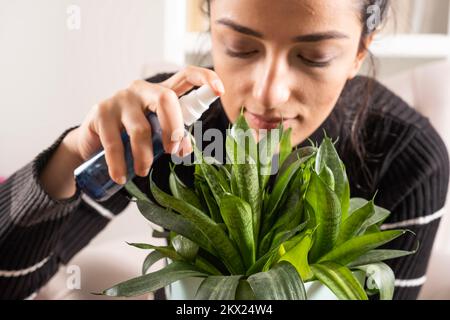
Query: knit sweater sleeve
{"type": "Point", "coordinates": [414, 189]}
{"type": "Point", "coordinates": [38, 233]}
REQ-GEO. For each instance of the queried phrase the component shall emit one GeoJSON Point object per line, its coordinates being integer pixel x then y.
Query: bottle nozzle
{"type": "Point", "coordinates": [196, 103]}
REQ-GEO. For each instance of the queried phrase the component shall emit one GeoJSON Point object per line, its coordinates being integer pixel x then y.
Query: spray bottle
{"type": "Point", "coordinates": [92, 177]}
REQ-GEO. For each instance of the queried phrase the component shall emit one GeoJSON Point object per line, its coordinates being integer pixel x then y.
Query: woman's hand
{"type": "Point", "coordinates": [126, 110]}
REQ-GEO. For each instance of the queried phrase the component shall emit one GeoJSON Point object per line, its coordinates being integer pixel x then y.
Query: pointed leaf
{"type": "Point", "coordinates": [278, 192]}
{"type": "Point", "coordinates": [266, 149]}
{"type": "Point", "coordinates": [217, 237]}
{"type": "Point", "coordinates": [340, 280]}
{"type": "Point", "coordinates": [285, 145]}
{"type": "Point", "coordinates": [237, 215]}
{"type": "Point", "coordinates": [327, 156]}
{"type": "Point", "coordinates": [378, 255]}
{"type": "Point", "coordinates": [174, 222]}
{"type": "Point", "coordinates": [380, 277]}
{"type": "Point", "coordinates": [185, 247]}
{"type": "Point", "coordinates": [218, 288]}
{"type": "Point", "coordinates": [356, 247]}
{"type": "Point", "coordinates": [213, 208]}
{"type": "Point", "coordinates": [282, 282]}
{"type": "Point", "coordinates": [354, 223]}
{"type": "Point", "coordinates": [151, 259]}
{"type": "Point", "coordinates": [135, 191]}
{"type": "Point", "coordinates": [327, 213]}
{"type": "Point", "coordinates": [304, 153]}
{"type": "Point", "coordinates": [180, 191]}
{"type": "Point", "coordinates": [298, 256]}
{"type": "Point", "coordinates": [154, 281]}
{"type": "Point", "coordinates": [211, 175]}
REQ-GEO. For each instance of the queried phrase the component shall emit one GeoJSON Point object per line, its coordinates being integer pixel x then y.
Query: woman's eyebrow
{"type": "Point", "coordinates": [313, 37]}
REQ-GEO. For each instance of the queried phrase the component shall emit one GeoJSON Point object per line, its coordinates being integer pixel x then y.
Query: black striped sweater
{"type": "Point", "coordinates": [406, 162]}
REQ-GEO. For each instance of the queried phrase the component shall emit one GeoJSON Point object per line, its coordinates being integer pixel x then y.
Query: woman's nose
{"type": "Point", "coordinates": [271, 88]}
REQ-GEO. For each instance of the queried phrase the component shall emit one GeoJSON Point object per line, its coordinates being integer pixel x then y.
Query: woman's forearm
{"type": "Point", "coordinates": [57, 178]}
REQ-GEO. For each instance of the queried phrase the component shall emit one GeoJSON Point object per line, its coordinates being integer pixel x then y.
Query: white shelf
{"type": "Point", "coordinates": [427, 46]}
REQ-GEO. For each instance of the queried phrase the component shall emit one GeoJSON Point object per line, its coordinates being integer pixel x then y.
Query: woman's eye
{"type": "Point", "coordinates": [240, 54]}
{"type": "Point", "coordinates": [315, 63]}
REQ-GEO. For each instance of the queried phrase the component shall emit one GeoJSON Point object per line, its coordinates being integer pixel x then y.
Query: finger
{"type": "Point", "coordinates": [165, 103]}
{"type": "Point", "coordinates": [109, 133]}
{"type": "Point", "coordinates": [191, 76]}
{"type": "Point", "coordinates": [139, 131]}
{"type": "Point", "coordinates": [185, 147]}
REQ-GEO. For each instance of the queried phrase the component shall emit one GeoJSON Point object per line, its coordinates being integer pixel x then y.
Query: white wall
{"type": "Point", "coordinates": [50, 76]}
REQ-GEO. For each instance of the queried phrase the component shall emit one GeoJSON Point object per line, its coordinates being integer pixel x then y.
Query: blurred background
{"type": "Point", "coordinates": [59, 57]}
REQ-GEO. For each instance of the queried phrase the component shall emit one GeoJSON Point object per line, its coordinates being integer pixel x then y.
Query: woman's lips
{"type": "Point", "coordinates": [262, 122]}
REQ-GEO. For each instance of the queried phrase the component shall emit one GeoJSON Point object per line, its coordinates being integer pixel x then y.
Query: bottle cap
{"type": "Point", "coordinates": [196, 103]}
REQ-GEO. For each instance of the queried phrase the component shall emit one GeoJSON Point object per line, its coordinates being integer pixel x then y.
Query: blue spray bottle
{"type": "Point", "coordinates": [92, 177]}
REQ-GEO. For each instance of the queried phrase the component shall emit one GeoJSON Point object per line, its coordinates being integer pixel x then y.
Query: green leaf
{"type": "Point", "coordinates": [174, 222]}
{"type": "Point", "coordinates": [304, 153]}
{"type": "Point", "coordinates": [345, 198]}
{"type": "Point", "coordinates": [378, 255]}
{"type": "Point", "coordinates": [354, 223]}
{"type": "Point", "coordinates": [355, 204]}
{"type": "Point", "coordinates": [261, 262]}
{"type": "Point", "coordinates": [218, 288]}
{"type": "Point", "coordinates": [291, 213]}
{"type": "Point", "coordinates": [266, 149]}
{"type": "Point", "coordinates": [298, 256]}
{"type": "Point", "coordinates": [282, 282]}
{"type": "Point", "coordinates": [355, 247]}
{"type": "Point", "coordinates": [340, 280]}
{"type": "Point", "coordinates": [279, 189]}
{"type": "Point", "coordinates": [285, 145]}
{"type": "Point", "coordinates": [380, 277]}
{"type": "Point", "coordinates": [151, 259]}
{"type": "Point", "coordinates": [185, 247]}
{"type": "Point", "coordinates": [217, 237]}
{"type": "Point", "coordinates": [376, 219]}
{"type": "Point", "coordinates": [272, 253]}
{"type": "Point", "coordinates": [244, 291]}
{"type": "Point", "coordinates": [180, 191]}
{"type": "Point", "coordinates": [206, 266]}
{"type": "Point", "coordinates": [237, 215]}
{"type": "Point", "coordinates": [287, 234]}
{"type": "Point", "coordinates": [211, 175]}
{"type": "Point", "coordinates": [213, 208]}
{"type": "Point", "coordinates": [134, 191]}
{"type": "Point", "coordinates": [168, 252]}
{"type": "Point", "coordinates": [327, 176]}
{"type": "Point", "coordinates": [327, 213]}
{"type": "Point", "coordinates": [154, 281]}
{"type": "Point", "coordinates": [327, 156]}
{"type": "Point", "coordinates": [245, 184]}
{"type": "Point", "coordinates": [243, 135]}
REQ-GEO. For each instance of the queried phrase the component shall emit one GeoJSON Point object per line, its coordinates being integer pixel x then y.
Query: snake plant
{"type": "Point", "coordinates": [252, 237]}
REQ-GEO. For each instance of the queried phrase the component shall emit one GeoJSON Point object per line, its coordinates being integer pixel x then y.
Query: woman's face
{"type": "Point", "coordinates": [285, 59]}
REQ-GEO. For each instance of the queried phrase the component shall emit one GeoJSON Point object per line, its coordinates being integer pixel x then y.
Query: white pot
{"type": "Point", "coordinates": [186, 289]}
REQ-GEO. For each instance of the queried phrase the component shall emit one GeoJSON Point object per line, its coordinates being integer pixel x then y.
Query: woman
{"type": "Point", "coordinates": [292, 59]}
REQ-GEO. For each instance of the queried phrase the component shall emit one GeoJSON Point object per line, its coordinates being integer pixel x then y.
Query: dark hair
{"type": "Point", "coordinates": [373, 14]}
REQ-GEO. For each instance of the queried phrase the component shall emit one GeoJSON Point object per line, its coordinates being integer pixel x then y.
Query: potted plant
{"type": "Point", "coordinates": [237, 236]}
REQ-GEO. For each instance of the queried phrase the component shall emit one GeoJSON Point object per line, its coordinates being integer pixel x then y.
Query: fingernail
{"type": "Point", "coordinates": [186, 148]}
{"type": "Point", "coordinates": [218, 85]}
{"type": "Point", "coordinates": [122, 180]}
{"type": "Point", "coordinates": [175, 147]}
